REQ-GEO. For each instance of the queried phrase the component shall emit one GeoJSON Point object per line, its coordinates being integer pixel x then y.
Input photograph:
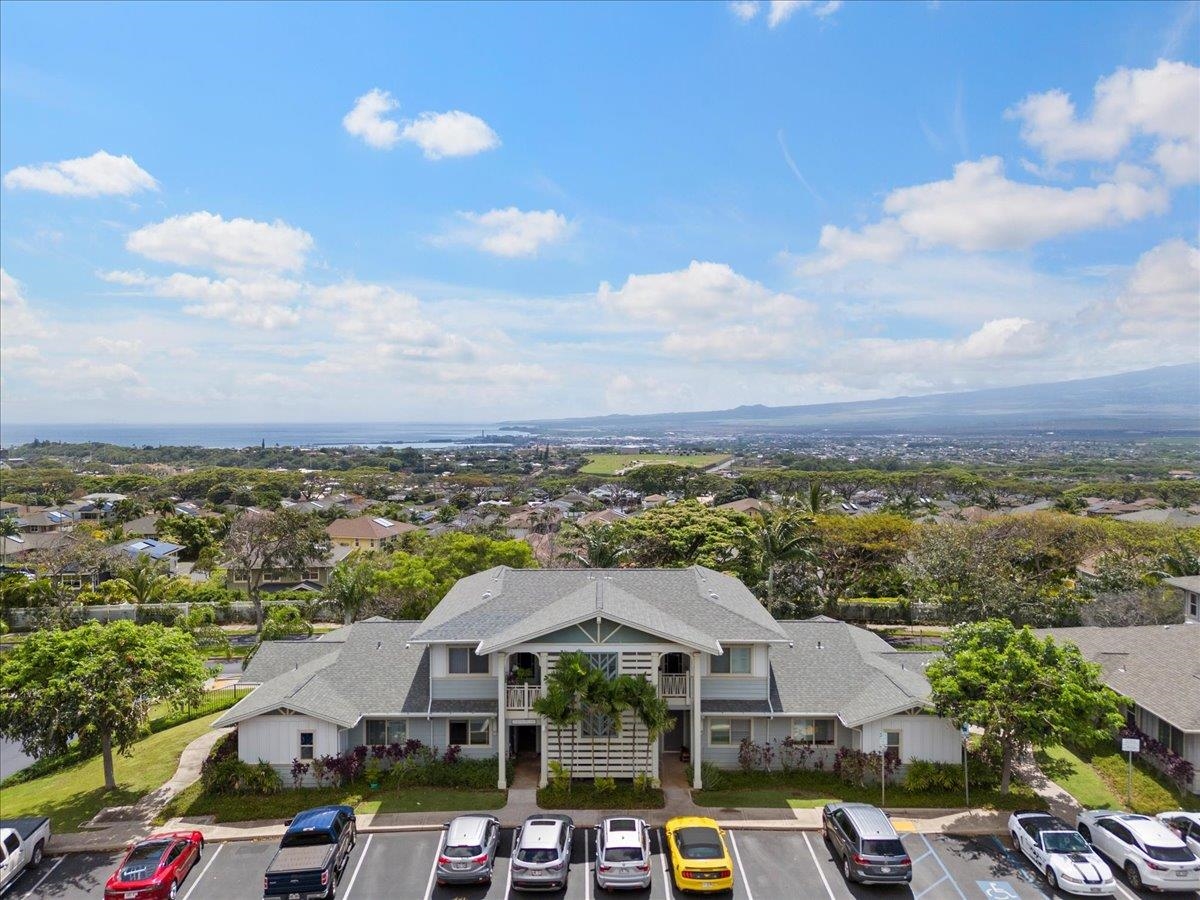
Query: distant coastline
{"type": "Point", "coordinates": [283, 434]}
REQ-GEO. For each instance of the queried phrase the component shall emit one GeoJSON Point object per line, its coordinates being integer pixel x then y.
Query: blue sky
{"type": "Point", "coordinates": [347, 212]}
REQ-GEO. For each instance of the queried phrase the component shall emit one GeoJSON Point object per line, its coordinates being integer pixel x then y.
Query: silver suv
{"type": "Point", "coordinates": [622, 853]}
{"type": "Point", "coordinates": [468, 853]}
{"type": "Point", "coordinates": [870, 850]}
{"type": "Point", "coordinates": [541, 857]}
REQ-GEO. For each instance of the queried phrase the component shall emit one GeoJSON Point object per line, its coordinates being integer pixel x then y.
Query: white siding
{"type": "Point", "coordinates": [276, 739]}
{"type": "Point", "coordinates": [922, 737]}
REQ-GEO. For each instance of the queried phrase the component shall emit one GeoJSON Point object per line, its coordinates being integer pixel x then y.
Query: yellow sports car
{"type": "Point", "coordinates": [700, 860]}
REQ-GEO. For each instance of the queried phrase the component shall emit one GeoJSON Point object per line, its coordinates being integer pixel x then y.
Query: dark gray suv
{"type": "Point", "coordinates": [863, 838]}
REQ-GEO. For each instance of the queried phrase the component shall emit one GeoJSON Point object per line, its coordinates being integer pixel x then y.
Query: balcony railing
{"type": "Point", "coordinates": [520, 697]}
{"type": "Point", "coordinates": [674, 685]}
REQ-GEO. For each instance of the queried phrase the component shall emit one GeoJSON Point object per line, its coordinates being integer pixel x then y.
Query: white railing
{"type": "Point", "coordinates": [673, 685]}
{"type": "Point", "coordinates": [521, 696]}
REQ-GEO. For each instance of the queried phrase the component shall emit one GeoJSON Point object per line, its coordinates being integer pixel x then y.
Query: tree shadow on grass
{"type": "Point", "coordinates": [72, 812]}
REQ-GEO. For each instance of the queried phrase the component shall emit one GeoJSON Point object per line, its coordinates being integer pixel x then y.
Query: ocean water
{"type": "Point", "coordinates": [284, 434]}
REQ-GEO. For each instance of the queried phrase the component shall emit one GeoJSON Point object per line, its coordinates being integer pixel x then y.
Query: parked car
{"type": "Point", "coordinates": [700, 861]}
{"type": "Point", "coordinates": [1147, 851]}
{"type": "Point", "coordinates": [863, 838]}
{"type": "Point", "coordinates": [541, 857]}
{"type": "Point", "coordinates": [1186, 825]}
{"type": "Point", "coordinates": [22, 845]}
{"type": "Point", "coordinates": [622, 853]}
{"type": "Point", "coordinates": [1060, 853]}
{"type": "Point", "coordinates": [312, 854]}
{"type": "Point", "coordinates": [468, 853]}
{"type": "Point", "coordinates": [154, 867]}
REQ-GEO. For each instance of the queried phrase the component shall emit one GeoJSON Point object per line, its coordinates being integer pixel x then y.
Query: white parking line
{"type": "Point", "coordinates": [741, 868]}
{"type": "Point", "coordinates": [361, 858]}
{"type": "Point", "coordinates": [1121, 889]}
{"type": "Point", "coordinates": [204, 871]}
{"type": "Point", "coordinates": [929, 847]}
{"type": "Point", "coordinates": [662, 858]}
{"type": "Point", "coordinates": [587, 875]}
{"type": "Point", "coordinates": [511, 855]}
{"type": "Point", "coordinates": [931, 887]}
{"type": "Point", "coordinates": [433, 871]}
{"type": "Point", "coordinates": [57, 863]}
{"type": "Point", "coordinates": [817, 863]}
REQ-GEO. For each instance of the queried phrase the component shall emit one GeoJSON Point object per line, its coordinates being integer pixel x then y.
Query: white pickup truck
{"type": "Point", "coordinates": [22, 845]}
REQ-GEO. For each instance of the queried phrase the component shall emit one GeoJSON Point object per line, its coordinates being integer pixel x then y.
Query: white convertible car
{"type": "Point", "coordinates": [1060, 853]}
{"type": "Point", "coordinates": [1148, 852]}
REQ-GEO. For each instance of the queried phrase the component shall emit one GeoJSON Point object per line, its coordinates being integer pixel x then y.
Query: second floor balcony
{"type": "Point", "coordinates": [674, 687]}
{"type": "Point", "coordinates": [521, 697]}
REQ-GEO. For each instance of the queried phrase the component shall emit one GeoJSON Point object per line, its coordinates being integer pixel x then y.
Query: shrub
{"type": "Point", "coordinates": [856, 767]}
{"type": "Point", "coordinates": [712, 777]}
{"type": "Point", "coordinates": [560, 775]}
{"type": "Point", "coordinates": [605, 785]}
{"type": "Point", "coordinates": [930, 776]}
{"type": "Point", "coordinates": [224, 773]}
{"type": "Point", "coordinates": [1162, 757]}
{"type": "Point", "coordinates": [793, 754]}
{"type": "Point", "coordinates": [299, 770]}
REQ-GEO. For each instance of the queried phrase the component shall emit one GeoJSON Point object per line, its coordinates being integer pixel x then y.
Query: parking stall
{"type": "Point", "coordinates": [770, 865]}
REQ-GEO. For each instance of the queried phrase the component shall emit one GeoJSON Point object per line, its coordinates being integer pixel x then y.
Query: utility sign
{"type": "Point", "coordinates": [1131, 745]}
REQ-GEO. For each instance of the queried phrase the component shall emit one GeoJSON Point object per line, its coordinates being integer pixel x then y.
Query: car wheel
{"type": "Point", "coordinates": [1134, 875]}
{"type": "Point", "coordinates": [174, 892]}
{"type": "Point", "coordinates": [1086, 833]}
{"type": "Point", "coordinates": [38, 851]}
{"type": "Point", "coordinates": [1051, 879]}
{"type": "Point", "coordinates": [846, 870]}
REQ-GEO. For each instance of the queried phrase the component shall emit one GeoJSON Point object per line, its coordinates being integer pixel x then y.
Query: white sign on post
{"type": "Point", "coordinates": [883, 740]}
{"type": "Point", "coordinates": [1131, 745]}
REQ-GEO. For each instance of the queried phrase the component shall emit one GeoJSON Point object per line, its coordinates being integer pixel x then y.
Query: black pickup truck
{"type": "Point", "coordinates": [311, 855]}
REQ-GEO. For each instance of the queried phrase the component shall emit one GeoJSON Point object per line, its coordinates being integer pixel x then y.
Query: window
{"type": "Point", "coordinates": [734, 661]}
{"type": "Point", "coordinates": [605, 662]}
{"type": "Point", "coordinates": [893, 743]}
{"type": "Point", "coordinates": [727, 732]}
{"type": "Point", "coordinates": [464, 661]}
{"type": "Point", "coordinates": [312, 575]}
{"type": "Point", "coordinates": [813, 731]}
{"type": "Point", "coordinates": [307, 744]}
{"type": "Point", "coordinates": [1194, 604]}
{"type": "Point", "coordinates": [381, 732]}
{"type": "Point", "coordinates": [597, 725]}
{"type": "Point", "coordinates": [11, 843]}
{"type": "Point", "coordinates": [470, 732]}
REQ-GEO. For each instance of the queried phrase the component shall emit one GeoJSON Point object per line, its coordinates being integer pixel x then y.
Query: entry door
{"type": "Point", "coordinates": [677, 736]}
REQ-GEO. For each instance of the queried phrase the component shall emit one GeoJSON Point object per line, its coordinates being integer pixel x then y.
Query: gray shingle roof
{"type": "Point", "coordinates": [1155, 666]}
{"type": "Point", "coordinates": [854, 674]}
{"type": "Point", "coordinates": [503, 606]}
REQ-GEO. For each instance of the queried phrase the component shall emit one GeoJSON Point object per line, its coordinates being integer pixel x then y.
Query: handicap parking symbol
{"type": "Point", "coordinates": [997, 890]}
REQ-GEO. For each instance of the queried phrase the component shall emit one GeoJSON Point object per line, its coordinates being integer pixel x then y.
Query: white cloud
{"type": "Point", "coordinates": [100, 174]}
{"type": "Point", "coordinates": [1163, 102]}
{"type": "Point", "coordinates": [390, 320]}
{"type": "Point", "coordinates": [207, 240]}
{"type": "Point", "coordinates": [256, 303]}
{"type": "Point", "coordinates": [17, 319]}
{"type": "Point", "coordinates": [1164, 286]}
{"type": "Point", "coordinates": [744, 9]}
{"type": "Point", "coordinates": [980, 208]}
{"type": "Point", "coordinates": [21, 353]}
{"type": "Point", "coordinates": [646, 393]}
{"type": "Point", "coordinates": [453, 133]}
{"type": "Point", "coordinates": [508, 232]}
{"type": "Point", "coordinates": [782, 10]}
{"type": "Point", "coordinates": [115, 346]}
{"type": "Point", "coordinates": [366, 120]}
{"type": "Point", "coordinates": [703, 292]}
{"type": "Point", "coordinates": [731, 343]}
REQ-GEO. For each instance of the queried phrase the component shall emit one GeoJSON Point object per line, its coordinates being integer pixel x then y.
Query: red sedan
{"type": "Point", "coordinates": [155, 867]}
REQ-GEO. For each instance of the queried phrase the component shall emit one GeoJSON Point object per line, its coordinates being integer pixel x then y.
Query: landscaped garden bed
{"type": "Point", "coordinates": [588, 795]}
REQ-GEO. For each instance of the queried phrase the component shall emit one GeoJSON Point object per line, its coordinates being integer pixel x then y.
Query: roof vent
{"type": "Point", "coordinates": [379, 645]}
{"type": "Point", "coordinates": [487, 595]}
{"type": "Point", "coordinates": [713, 595]}
{"type": "Point", "coordinates": [820, 646]}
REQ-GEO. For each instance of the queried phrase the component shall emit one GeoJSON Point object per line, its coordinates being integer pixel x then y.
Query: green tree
{"type": "Point", "coordinates": [815, 500]}
{"type": "Point", "coordinates": [593, 547]}
{"type": "Point", "coordinates": [145, 578]}
{"type": "Point", "coordinates": [649, 710]}
{"type": "Point", "coordinates": [192, 532]}
{"type": "Point", "coordinates": [8, 529]}
{"type": "Point", "coordinates": [259, 541]}
{"type": "Point", "coordinates": [1182, 560]}
{"type": "Point", "coordinates": [782, 538]}
{"type": "Point", "coordinates": [284, 623]}
{"type": "Point", "coordinates": [686, 533]}
{"type": "Point", "coordinates": [352, 585]}
{"type": "Point", "coordinates": [94, 684]}
{"type": "Point", "coordinates": [1023, 691]}
{"type": "Point", "coordinates": [561, 703]}
{"type": "Point", "coordinates": [128, 509]}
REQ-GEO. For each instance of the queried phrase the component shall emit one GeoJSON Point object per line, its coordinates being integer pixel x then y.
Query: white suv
{"type": "Point", "coordinates": [1147, 851]}
{"type": "Point", "coordinates": [541, 859]}
{"type": "Point", "coordinates": [622, 853]}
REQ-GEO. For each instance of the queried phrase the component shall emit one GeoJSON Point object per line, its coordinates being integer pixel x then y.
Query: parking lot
{"type": "Point", "coordinates": [769, 866]}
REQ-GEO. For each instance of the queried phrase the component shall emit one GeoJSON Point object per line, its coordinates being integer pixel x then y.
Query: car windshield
{"type": "Point", "coordinates": [463, 852]}
{"type": "Point", "coordinates": [888, 847]}
{"type": "Point", "coordinates": [539, 855]}
{"type": "Point", "coordinates": [699, 843]}
{"type": "Point", "coordinates": [623, 854]}
{"type": "Point", "coordinates": [306, 839]}
{"type": "Point", "coordinates": [1170, 854]}
{"type": "Point", "coordinates": [143, 860]}
{"type": "Point", "coordinates": [1065, 842]}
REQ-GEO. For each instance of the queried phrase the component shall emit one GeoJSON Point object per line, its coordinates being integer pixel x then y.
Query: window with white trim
{"type": "Point", "coordinates": [1194, 605]}
{"type": "Point", "coordinates": [308, 744]}
{"type": "Point", "coordinates": [727, 732]}
{"type": "Point", "coordinates": [465, 661]}
{"type": "Point", "coordinates": [382, 732]}
{"type": "Point", "coordinates": [470, 732]}
{"type": "Point", "coordinates": [813, 731]}
{"type": "Point", "coordinates": [734, 661]}
{"type": "Point", "coordinates": [893, 743]}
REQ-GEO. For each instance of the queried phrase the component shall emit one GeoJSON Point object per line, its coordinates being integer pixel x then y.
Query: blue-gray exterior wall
{"type": "Point", "coordinates": [461, 687]}
{"type": "Point", "coordinates": [733, 687]}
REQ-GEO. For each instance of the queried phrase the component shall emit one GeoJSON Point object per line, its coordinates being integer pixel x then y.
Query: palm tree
{"type": "Point", "coordinates": [616, 701]}
{"type": "Point", "coordinates": [783, 538]}
{"type": "Point", "coordinates": [146, 580]}
{"type": "Point", "coordinates": [556, 706]}
{"type": "Point", "coordinates": [1182, 561]}
{"type": "Point", "coordinates": [648, 708]}
{"type": "Point", "coordinates": [8, 529]}
{"type": "Point", "coordinates": [351, 586]}
{"type": "Point", "coordinates": [597, 548]}
{"type": "Point", "coordinates": [817, 499]}
{"type": "Point", "coordinates": [596, 698]}
{"type": "Point", "coordinates": [164, 507]}
{"type": "Point", "coordinates": [562, 701]}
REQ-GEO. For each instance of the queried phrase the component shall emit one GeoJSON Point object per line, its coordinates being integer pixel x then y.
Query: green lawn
{"type": "Point", "coordinates": [1077, 778]}
{"type": "Point", "coordinates": [72, 796]}
{"type": "Point", "coordinates": [1098, 779]}
{"type": "Point", "coordinates": [242, 807]}
{"type": "Point", "coordinates": [808, 790]}
{"type": "Point", "coordinates": [611, 463]}
{"type": "Point", "coordinates": [585, 796]}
